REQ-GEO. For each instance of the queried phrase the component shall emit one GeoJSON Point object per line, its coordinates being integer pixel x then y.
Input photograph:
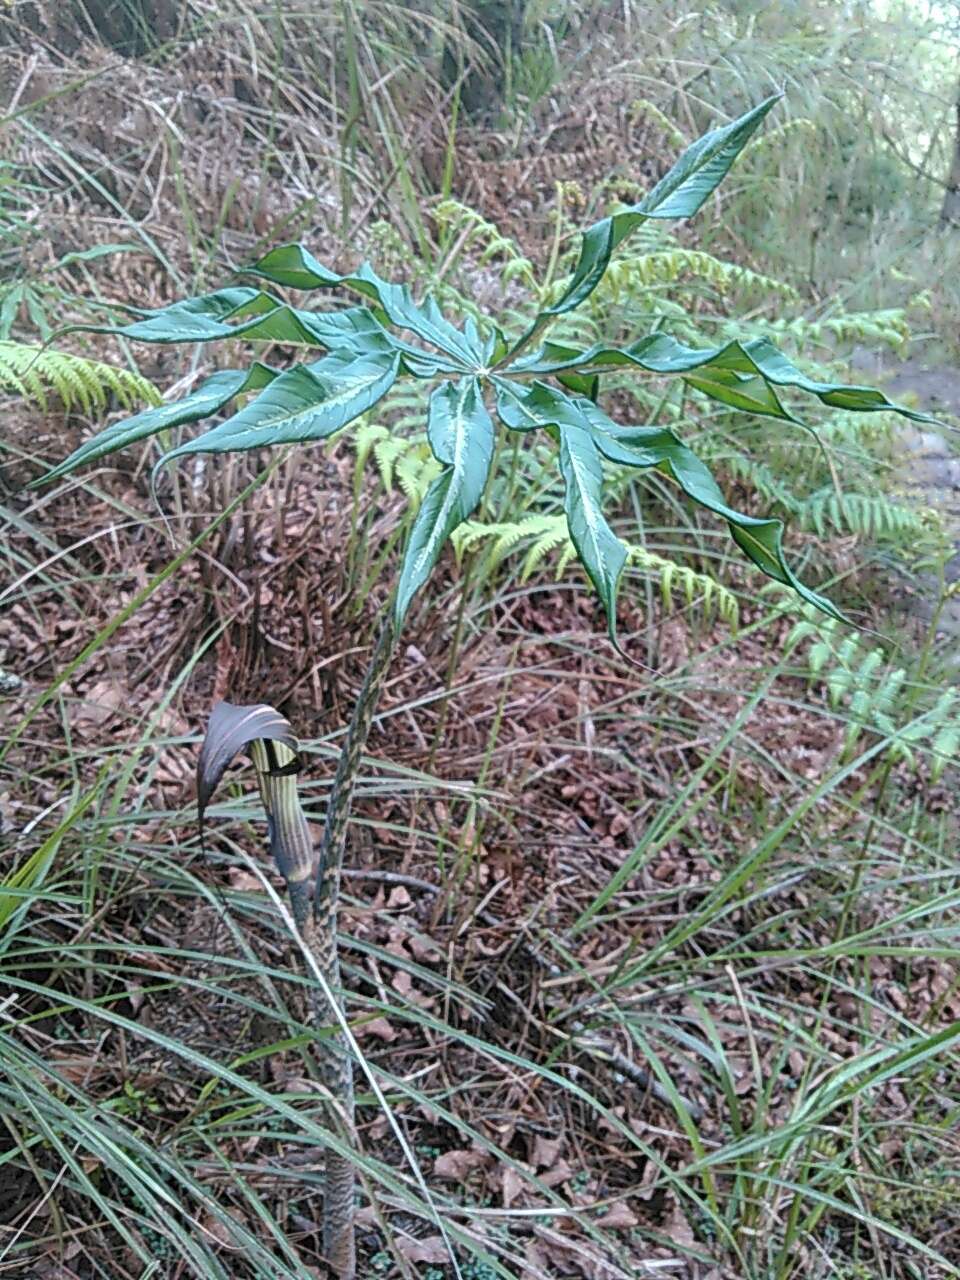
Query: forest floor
{"type": "Point", "coordinates": [499, 802]}
{"type": "Point", "coordinates": [594, 917]}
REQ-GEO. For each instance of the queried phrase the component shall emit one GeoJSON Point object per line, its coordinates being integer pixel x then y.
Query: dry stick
{"type": "Point", "coordinates": [319, 930]}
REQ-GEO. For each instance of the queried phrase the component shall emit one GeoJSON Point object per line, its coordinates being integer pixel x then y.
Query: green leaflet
{"type": "Point", "coordinates": [227, 314]}
{"type": "Point", "coordinates": [479, 347]}
{"type": "Point", "coordinates": [659, 353]}
{"type": "Point", "coordinates": [699, 171]}
{"type": "Point", "coordinates": [679, 194]}
{"type": "Point", "coordinates": [602, 553]}
{"type": "Point", "coordinates": [307, 402]}
{"type": "Point", "coordinates": [426, 320]}
{"type": "Point", "coordinates": [528, 408]}
{"type": "Point", "coordinates": [208, 398]}
{"type": "Point", "coordinates": [778, 369]}
{"type": "Point", "coordinates": [355, 330]}
{"type": "Point", "coordinates": [200, 319]}
{"type": "Point", "coordinates": [739, 391]}
{"type": "Point", "coordinates": [252, 314]}
{"type": "Point", "coordinates": [460, 432]}
{"type": "Point", "coordinates": [581, 384]}
{"type": "Point", "coordinates": [760, 539]}
{"type": "Point", "coordinates": [295, 266]}
{"type": "Point", "coordinates": [644, 447]}
{"type": "Point", "coordinates": [494, 348]}
{"type": "Point", "coordinates": [356, 327]}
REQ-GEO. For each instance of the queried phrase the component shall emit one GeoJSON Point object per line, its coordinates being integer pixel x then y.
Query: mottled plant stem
{"type": "Point", "coordinates": [320, 934]}
{"type": "Point", "coordinates": [336, 1073]}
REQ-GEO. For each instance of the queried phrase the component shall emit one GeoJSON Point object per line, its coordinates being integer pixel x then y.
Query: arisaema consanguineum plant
{"type": "Point", "coordinates": [476, 377]}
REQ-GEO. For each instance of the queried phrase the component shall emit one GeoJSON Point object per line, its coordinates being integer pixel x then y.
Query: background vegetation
{"type": "Point", "coordinates": [654, 972]}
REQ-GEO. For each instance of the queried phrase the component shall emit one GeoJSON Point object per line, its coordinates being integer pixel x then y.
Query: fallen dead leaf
{"type": "Point", "coordinates": [458, 1165]}
{"type": "Point", "coordinates": [380, 1028]}
{"type": "Point", "coordinates": [430, 1249]}
{"type": "Point", "coordinates": [676, 1227]}
{"type": "Point", "coordinates": [561, 1172]}
{"type": "Point", "coordinates": [618, 1217]}
{"type": "Point", "coordinates": [220, 1231]}
{"type": "Point", "coordinates": [545, 1151]}
{"type": "Point", "coordinates": [402, 982]}
{"type": "Point", "coordinates": [244, 881]}
{"type": "Point", "coordinates": [98, 704]}
{"type": "Point", "coordinates": [422, 948]}
{"type": "Point", "coordinates": [511, 1184]}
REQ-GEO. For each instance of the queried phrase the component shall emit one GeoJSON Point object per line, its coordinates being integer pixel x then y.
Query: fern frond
{"type": "Point", "coordinates": [890, 328]}
{"type": "Point", "coordinates": [504, 537]}
{"type": "Point", "coordinates": [643, 108]}
{"type": "Point", "coordinates": [874, 696]}
{"type": "Point", "coordinates": [758, 475]}
{"type": "Point", "coordinates": [460, 220]}
{"type": "Point", "coordinates": [547, 534]}
{"type": "Point", "coordinates": [33, 372]}
{"type": "Point", "coordinates": [712, 595]}
{"type": "Point", "coordinates": [388, 452]}
{"type": "Point", "coordinates": [551, 535]}
{"type": "Point", "coordinates": [870, 515]}
{"type": "Point", "coordinates": [416, 469]}
{"type": "Point", "coordinates": [364, 437]}
{"type": "Point", "coordinates": [633, 276]}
